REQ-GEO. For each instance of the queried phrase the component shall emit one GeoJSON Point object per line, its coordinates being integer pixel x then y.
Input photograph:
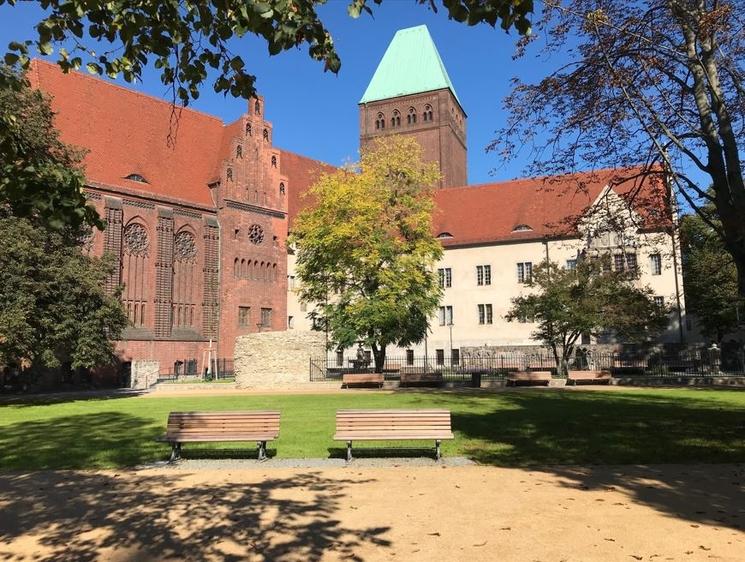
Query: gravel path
{"type": "Point", "coordinates": [192, 465]}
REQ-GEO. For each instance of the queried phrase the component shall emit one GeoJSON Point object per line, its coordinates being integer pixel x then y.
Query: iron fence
{"type": "Point", "coordinates": [221, 369]}
{"type": "Point", "coordinates": [495, 365]}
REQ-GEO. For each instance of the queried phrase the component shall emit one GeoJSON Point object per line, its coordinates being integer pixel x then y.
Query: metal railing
{"type": "Point", "coordinates": [497, 365]}
{"type": "Point", "coordinates": [222, 369]}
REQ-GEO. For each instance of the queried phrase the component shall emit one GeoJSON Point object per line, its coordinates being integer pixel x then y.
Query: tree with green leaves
{"type": "Point", "coordinates": [41, 178]}
{"type": "Point", "coordinates": [365, 249]}
{"type": "Point", "coordinates": [53, 305]}
{"type": "Point", "coordinates": [567, 303]}
{"type": "Point", "coordinates": [657, 83]}
{"type": "Point", "coordinates": [709, 278]}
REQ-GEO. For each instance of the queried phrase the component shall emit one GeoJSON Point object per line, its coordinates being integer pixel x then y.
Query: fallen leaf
{"type": "Point", "coordinates": [481, 544]}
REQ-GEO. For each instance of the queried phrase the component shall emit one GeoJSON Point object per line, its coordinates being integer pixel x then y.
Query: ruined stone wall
{"type": "Point", "coordinates": [276, 359]}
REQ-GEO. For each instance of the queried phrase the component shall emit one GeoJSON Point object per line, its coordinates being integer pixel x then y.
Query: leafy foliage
{"type": "Point", "coordinates": [187, 39]}
{"type": "Point", "coordinates": [53, 307]}
{"type": "Point", "coordinates": [366, 250]}
{"type": "Point", "coordinates": [656, 82]}
{"type": "Point", "coordinates": [41, 178]}
{"type": "Point", "coordinates": [710, 278]}
{"type": "Point", "coordinates": [585, 300]}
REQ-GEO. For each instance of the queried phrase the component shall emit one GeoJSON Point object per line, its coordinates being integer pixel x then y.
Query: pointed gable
{"type": "Point", "coordinates": [410, 65]}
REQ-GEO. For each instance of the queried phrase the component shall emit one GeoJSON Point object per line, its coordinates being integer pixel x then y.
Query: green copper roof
{"type": "Point", "coordinates": [410, 65]}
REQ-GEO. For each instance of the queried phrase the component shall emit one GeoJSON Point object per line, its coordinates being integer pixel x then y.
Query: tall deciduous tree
{"type": "Point", "coordinates": [566, 303]}
{"type": "Point", "coordinates": [710, 278]}
{"type": "Point", "coordinates": [366, 252]}
{"type": "Point", "coordinates": [652, 81]}
{"type": "Point", "coordinates": [53, 306]}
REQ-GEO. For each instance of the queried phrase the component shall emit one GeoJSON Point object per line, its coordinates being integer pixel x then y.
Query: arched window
{"type": "Point", "coordinates": [136, 250]}
{"type": "Point", "coordinates": [257, 108]}
{"type": "Point", "coordinates": [380, 121]}
{"type": "Point", "coordinates": [428, 112]}
{"type": "Point", "coordinates": [229, 174]}
{"type": "Point", "coordinates": [274, 272]}
{"type": "Point", "coordinates": [239, 151]}
{"type": "Point", "coordinates": [281, 188]}
{"type": "Point", "coordinates": [243, 270]}
{"type": "Point", "coordinates": [255, 272]}
{"type": "Point", "coordinates": [266, 135]}
{"type": "Point", "coordinates": [184, 269]}
{"type": "Point", "coordinates": [274, 161]}
{"type": "Point", "coordinates": [396, 119]}
{"type": "Point", "coordinates": [256, 195]}
{"type": "Point", "coordinates": [261, 272]}
{"type": "Point", "coordinates": [249, 129]}
{"type": "Point", "coordinates": [411, 117]}
{"type": "Point", "coordinates": [236, 268]}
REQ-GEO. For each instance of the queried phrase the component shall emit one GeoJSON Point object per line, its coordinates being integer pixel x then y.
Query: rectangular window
{"type": "Point", "coordinates": [266, 317]}
{"type": "Point", "coordinates": [339, 358]}
{"type": "Point", "coordinates": [483, 275]}
{"type": "Point", "coordinates": [485, 314]}
{"type": "Point", "coordinates": [631, 263]}
{"type": "Point", "coordinates": [290, 282]}
{"type": "Point", "coordinates": [244, 316]}
{"type": "Point", "coordinates": [409, 356]}
{"type": "Point", "coordinates": [572, 264]}
{"type": "Point", "coordinates": [659, 301]}
{"type": "Point", "coordinates": [455, 356]}
{"type": "Point", "coordinates": [446, 315]}
{"type": "Point", "coordinates": [290, 322]}
{"type": "Point", "coordinates": [303, 306]}
{"type": "Point", "coordinates": [445, 277]}
{"type": "Point", "coordinates": [524, 272]}
{"type": "Point", "coordinates": [618, 262]}
{"type": "Point", "coordinates": [656, 264]}
{"type": "Point", "coordinates": [440, 356]}
{"type": "Point", "coordinates": [368, 356]}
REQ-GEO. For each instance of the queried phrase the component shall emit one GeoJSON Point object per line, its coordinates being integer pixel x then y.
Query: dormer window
{"type": "Point", "coordinates": [522, 228]}
{"type": "Point", "coordinates": [444, 235]}
{"type": "Point", "coordinates": [136, 177]}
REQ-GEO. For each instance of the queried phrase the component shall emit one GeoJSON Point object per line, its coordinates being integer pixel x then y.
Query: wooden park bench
{"type": "Point", "coordinates": [588, 377]}
{"type": "Point", "coordinates": [362, 379]}
{"type": "Point", "coordinates": [392, 425]}
{"type": "Point", "coordinates": [420, 378]}
{"type": "Point", "coordinates": [201, 427]}
{"type": "Point", "coordinates": [529, 378]}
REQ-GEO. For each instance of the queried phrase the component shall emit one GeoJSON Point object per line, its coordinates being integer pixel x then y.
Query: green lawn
{"type": "Point", "coordinates": [509, 428]}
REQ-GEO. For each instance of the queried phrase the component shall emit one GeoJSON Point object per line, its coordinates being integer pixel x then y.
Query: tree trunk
{"type": "Point", "coordinates": [379, 356]}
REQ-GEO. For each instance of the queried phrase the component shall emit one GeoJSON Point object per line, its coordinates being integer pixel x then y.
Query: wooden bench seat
{"type": "Point", "coordinates": [362, 379]}
{"type": "Point", "coordinates": [201, 427]}
{"type": "Point", "coordinates": [588, 377]}
{"type": "Point", "coordinates": [420, 378]}
{"type": "Point", "coordinates": [392, 425]}
{"type": "Point", "coordinates": [529, 378]}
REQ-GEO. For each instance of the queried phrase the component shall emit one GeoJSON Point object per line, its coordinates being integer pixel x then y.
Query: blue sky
{"type": "Point", "coordinates": [315, 113]}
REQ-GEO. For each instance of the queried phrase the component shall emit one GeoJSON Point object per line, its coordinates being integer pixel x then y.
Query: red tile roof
{"type": "Point", "coordinates": [126, 132]}
{"type": "Point", "coordinates": [549, 206]}
{"type": "Point", "coordinates": [301, 173]}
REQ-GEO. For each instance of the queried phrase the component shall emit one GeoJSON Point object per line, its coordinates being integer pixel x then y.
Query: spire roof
{"type": "Point", "coordinates": [410, 65]}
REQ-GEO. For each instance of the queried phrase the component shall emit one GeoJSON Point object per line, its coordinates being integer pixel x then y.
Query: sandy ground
{"type": "Point", "coordinates": [356, 513]}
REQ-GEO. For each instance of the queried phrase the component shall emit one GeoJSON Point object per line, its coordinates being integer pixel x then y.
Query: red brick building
{"type": "Point", "coordinates": [196, 213]}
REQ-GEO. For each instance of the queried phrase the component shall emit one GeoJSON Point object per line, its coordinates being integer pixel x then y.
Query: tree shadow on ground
{"type": "Point", "coordinates": [78, 516]}
{"type": "Point", "coordinates": [93, 440]}
{"type": "Point", "coordinates": [46, 398]}
{"type": "Point", "coordinates": [570, 433]}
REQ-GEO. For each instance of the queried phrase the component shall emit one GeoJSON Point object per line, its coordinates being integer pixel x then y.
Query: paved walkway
{"type": "Point", "coordinates": [436, 513]}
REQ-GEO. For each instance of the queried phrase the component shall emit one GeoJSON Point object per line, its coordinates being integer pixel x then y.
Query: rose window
{"type": "Point", "coordinates": [256, 234]}
{"type": "Point", "coordinates": [184, 247]}
{"type": "Point", "coordinates": [135, 239]}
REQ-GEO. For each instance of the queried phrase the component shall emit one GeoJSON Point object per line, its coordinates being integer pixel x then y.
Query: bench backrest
{"type": "Point", "coordinates": [362, 377]}
{"type": "Point", "coordinates": [264, 422]}
{"type": "Point", "coordinates": [588, 374]}
{"type": "Point", "coordinates": [531, 375]}
{"type": "Point", "coordinates": [393, 422]}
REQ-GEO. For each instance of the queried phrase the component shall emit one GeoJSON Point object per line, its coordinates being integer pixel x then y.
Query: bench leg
{"type": "Point", "coordinates": [262, 450]}
{"type": "Point", "coordinates": [175, 452]}
{"type": "Point", "coordinates": [349, 451]}
{"type": "Point", "coordinates": [438, 454]}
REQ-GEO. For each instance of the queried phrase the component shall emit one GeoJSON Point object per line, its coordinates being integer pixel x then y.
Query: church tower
{"type": "Point", "coordinates": [411, 94]}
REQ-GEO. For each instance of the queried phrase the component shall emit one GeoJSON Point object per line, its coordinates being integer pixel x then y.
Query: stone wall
{"type": "Point", "coordinates": [144, 374]}
{"type": "Point", "coordinates": [276, 359]}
